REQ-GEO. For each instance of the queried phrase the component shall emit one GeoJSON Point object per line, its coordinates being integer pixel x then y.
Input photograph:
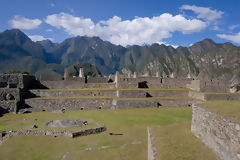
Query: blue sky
{"type": "Point", "coordinates": [125, 22]}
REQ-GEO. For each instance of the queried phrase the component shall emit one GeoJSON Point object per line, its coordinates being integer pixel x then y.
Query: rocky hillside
{"type": "Point", "coordinates": [205, 59]}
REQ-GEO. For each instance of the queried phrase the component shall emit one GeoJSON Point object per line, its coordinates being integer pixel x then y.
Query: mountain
{"type": "Point", "coordinates": [19, 52]}
{"type": "Point", "coordinates": [89, 70]}
{"type": "Point", "coordinates": [16, 41]}
{"type": "Point", "coordinates": [204, 59]}
{"type": "Point", "coordinates": [103, 54]}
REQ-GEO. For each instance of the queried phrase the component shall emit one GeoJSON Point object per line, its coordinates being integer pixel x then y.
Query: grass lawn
{"type": "Point", "coordinates": [132, 123]}
{"type": "Point", "coordinates": [112, 97]}
{"type": "Point", "coordinates": [121, 89]}
{"type": "Point", "coordinates": [229, 109]}
{"type": "Point", "coordinates": [177, 142]}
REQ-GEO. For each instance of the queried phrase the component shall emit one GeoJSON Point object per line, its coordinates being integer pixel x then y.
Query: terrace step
{"type": "Point", "coordinates": [137, 93]}
{"type": "Point", "coordinates": [86, 103]}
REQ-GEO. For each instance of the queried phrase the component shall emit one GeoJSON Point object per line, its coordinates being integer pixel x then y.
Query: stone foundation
{"type": "Point", "coordinates": [54, 133]}
{"type": "Point", "coordinates": [218, 133]}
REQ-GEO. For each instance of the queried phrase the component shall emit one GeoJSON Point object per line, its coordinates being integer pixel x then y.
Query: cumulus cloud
{"type": "Point", "coordinates": [234, 37]}
{"type": "Point", "coordinates": [140, 30]}
{"type": "Point", "coordinates": [21, 22]}
{"type": "Point", "coordinates": [204, 12]}
{"type": "Point", "coordinates": [232, 27]}
{"type": "Point", "coordinates": [167, 44]}
{"type": "Point", "coordinates": [36, 38]}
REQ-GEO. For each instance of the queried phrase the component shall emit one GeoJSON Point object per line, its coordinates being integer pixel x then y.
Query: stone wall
{"type": "Point", "coordinates": [131, 94]}
{"type": "Point", "coordinates": [197, 95]}
{"type": "Point", "coordinates": [220, 134]}
{"type": "Point", "coordinates": [9, 94]}
{"type": "Point", "coordinates": [74, 84]}
{"type": "Point", "coordinates": [62, 93]}
{"type": "Point", "coordinates": [8, 107]}
{"type": "Point", "coordinates": [51, 77]}
{"type": "Point", "coordinates": [194, 85]}
{"type": "Point", "coordinates": [97, 80]}
{"type": "Point", "coordinates": [168, 93]}
{"type": "Point", "coordinates": [208, 86]}
{"type": "Point", "coordinates": [54, 133]}
{"type": "Point", "coordinates": [68, 104]}
{"type": "Point", "coordinates": [209, 96]}
{"type": "Point", "coordinates": [16, 81]}
{"type": "Point", "coordinates": [132, 104]}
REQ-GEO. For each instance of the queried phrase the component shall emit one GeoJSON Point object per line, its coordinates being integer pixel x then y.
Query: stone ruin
{"type": "Point", "coordinates": [66, 123]}
{"type": "Point", "coordinates": [17, 92]}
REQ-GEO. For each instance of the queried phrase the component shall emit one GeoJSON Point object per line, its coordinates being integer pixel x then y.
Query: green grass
{"type": "Point", "coordinates": [177, 142]}
{"type": "Point", "coordinates": [111, 97]}
{"type": "Point", "coordinates": [132, 123]}
{"type": "Point", "coordinates": [114, 89]}
{"type": "Point", "coordinates": [229, 109]}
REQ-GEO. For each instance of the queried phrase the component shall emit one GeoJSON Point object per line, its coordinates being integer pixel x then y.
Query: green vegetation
{"type": "Point", "coordinates": [112, 97]}
{"type": "Point", "coordinates": [177, 142]}
{"type": "Point", "coordinates": [89, 70]}
{"type": "Point", "coordinates": [132, 123]}
{"type": "Point", "coordinates": [230, 109]}
{"type": "Point", "coordinates": [120, 89]}
{"type": "Point", "coordinates": [12, 71]}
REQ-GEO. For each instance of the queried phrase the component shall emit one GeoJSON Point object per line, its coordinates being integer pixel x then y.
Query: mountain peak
{"type": "Point", "coordinates": [208, 45]}
{"type": "Point", "coordinates": [14, 36]}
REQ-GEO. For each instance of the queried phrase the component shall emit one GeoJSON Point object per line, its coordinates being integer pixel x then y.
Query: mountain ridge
{"type": "Point", "coordinates": [46, 56]}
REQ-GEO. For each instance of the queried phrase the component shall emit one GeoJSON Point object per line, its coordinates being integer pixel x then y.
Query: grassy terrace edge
{"type": "Point", "coordinates": [116, 89]}
{"type": "Point", "coordinates": [112, 97]}
{"type": "Point", "coordinates": [228, 109]}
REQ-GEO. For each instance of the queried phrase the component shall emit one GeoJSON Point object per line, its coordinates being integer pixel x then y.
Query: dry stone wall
{"type": "Point", "coordinates": [73, 84]}
{"type": "Point", "coordinates": [16, 81]}
{"type": "Point", "coordinates": [54, 133]}
{"type": "Point", "coordinates": [209, 96]}
{"type": "Point", "coordinates": [8, 106]}
{"type": "Point", "coordinates": [9, 94]}
{"type": "Point", "coordinates": [68, 104]}
{"type": "Point", "coordinates": [218, 133]}
{"type": "Point", "coordinates": [56, 93]}
{"type": "Point", "coordinates": [209, 86]}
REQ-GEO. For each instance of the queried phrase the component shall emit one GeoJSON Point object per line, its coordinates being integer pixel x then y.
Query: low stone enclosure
{"type": "Point", "coordinates": [218, 133]}
{"type": "Point", "coordinates": [55, 133]}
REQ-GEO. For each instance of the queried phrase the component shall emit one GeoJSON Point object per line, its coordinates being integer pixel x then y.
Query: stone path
{"type": "Point", "coordinates": [65, 156]}
{"type": "Point", "coordinates": [151, 149]}
{"type": "Point", "coordinates": [106, 147]}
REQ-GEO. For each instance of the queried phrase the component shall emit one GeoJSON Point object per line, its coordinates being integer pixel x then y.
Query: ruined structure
{"type": "Point", "coordinates": [22, 93]}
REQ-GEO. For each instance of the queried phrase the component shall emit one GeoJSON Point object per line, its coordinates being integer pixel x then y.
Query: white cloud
{"type": "Point", "coordinates": [52, 5]}
{"type": "Point", "coordinates": [204, 12]}
{"type": "Point", "coordinates": [167, 44]}
{"type": "Point", "coordinates": [232, 27]}
{"type": "Point", "coordinates": [49, 30]}
{"type": "Point", "coordinates": [140, 30]}
{"type": "Point", "coordinates": [38, 38]}
{"type": "Point", "coordinates": [21, 22]}
{"type": "Point", "coordinates": [235, 38]}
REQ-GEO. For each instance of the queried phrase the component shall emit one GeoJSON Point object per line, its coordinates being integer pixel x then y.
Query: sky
{"type": "Point", "coordinates": [125, 22]}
